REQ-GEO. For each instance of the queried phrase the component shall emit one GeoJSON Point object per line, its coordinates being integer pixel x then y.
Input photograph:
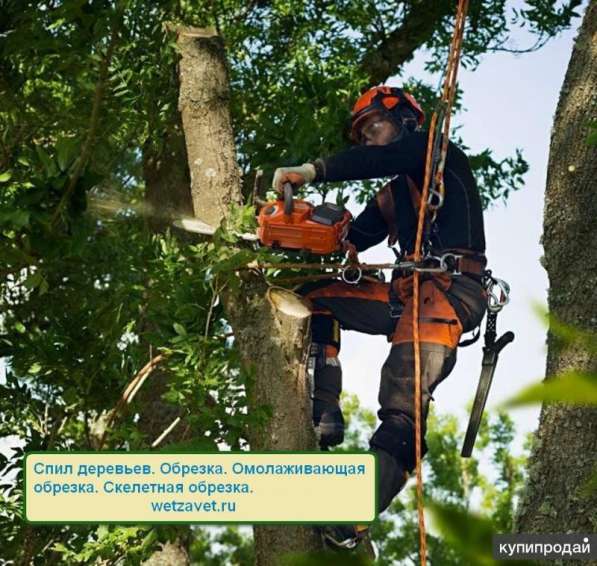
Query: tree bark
{"type": "Point", "coordinates": [171, 554]}
{"type": "Point", "coordinates": [167, 196]}
{"type": "Point", "coordinates": [167, 180]}
{"type": "Point", "coordinates": [565, 454]}
{"type": "Point", "coordinates": [270, 326]}
{"type": "Point", "coordinates": [204, 107]}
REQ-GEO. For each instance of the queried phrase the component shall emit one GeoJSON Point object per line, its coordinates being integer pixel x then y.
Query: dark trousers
{"type": "Point", "coordinates": [449, 306]}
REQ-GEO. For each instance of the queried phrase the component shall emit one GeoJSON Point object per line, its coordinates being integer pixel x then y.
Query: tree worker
{"type": "Point", "coordinates": [386, 124]}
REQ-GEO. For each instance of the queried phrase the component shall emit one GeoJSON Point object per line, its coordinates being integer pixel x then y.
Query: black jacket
{"type": "Point", "coordinates": [459, 221]}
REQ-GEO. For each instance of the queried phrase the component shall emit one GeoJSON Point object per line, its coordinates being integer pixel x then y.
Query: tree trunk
{"type": "Point", "coordinates": [171, 554]}
{"type": "Point", "coordinates": [167, 180]}
{"type": "Point", "coordinates": [270, 326]}
{"type": "Point", "coordinates": [204, 106]}
{"type": "Point", "coordinates": [565, 454]}
{"type": "Point", "coordinates": [167, 196]}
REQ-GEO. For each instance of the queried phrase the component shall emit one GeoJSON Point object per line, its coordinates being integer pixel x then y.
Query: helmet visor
{"type": "Point", "coordinates": [358, 121]}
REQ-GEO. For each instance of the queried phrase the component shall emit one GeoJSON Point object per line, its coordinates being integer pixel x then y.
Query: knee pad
{"type": "Point", "coordinates": [397, 436]}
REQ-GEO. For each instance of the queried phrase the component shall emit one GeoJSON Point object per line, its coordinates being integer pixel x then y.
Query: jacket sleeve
{"type": "Point", "coordinates": [406, 157]}
{"type": "Point", "coordinates": [368, 228]}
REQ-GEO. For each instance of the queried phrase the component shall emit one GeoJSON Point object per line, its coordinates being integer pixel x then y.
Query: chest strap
{"type": "Point", "coordinates": [387, 206]}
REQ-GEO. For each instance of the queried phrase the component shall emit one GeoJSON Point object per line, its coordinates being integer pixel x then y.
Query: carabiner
{"type": "Point", "coordinates": [349, 280]}
{"type": "Point", "coordinates": [498, 298]}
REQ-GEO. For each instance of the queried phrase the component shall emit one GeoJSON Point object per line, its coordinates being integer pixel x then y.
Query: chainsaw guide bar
{"type": "Point", "coordinates": [199, 227]}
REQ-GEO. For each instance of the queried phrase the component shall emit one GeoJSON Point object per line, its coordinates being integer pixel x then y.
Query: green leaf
{"type": "Point", "coordinates": [17, 218]}
{"type": "Point", "coordinates": [102, 531]}
{"type": "Point", "coordinates": [35, 368]}
{"type": "Point", "coordinates": [33, 280]}
{"type": "Point", "coordinates": [179, 329]}
{"type": "Point", "coordinates": [574, 387]}
{"type": "Point", "coordinates": [5, 177]}
{"type": "Point", "coordinates": [567, 333]}
{"type": "Point", "coordinates": [59, 547]}
{"type": "Point", "coordinates": [67, 150]}
{"type": "Point", "coordinates": [471, 534]}
{"type": "Point", "coordinates": [47, 161]}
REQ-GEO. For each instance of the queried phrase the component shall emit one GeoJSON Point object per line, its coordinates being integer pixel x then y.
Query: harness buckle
{"type": "Point", "coordinates": [449, 261]}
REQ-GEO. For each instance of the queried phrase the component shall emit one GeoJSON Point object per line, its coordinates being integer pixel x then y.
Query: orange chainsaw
{"type": "Point", "coordinates": [298, 225]}
{"type": "Point", "coordinates": [292, 224]}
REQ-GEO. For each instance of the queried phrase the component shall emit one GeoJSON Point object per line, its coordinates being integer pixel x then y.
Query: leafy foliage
{"type": "Point", "coordinates": [88, 294]}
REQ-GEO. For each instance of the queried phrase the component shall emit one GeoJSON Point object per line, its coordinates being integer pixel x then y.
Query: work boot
{"type": "Point", "coordinates": [328, 422]}
{"type": "Point", "coordinates": [348, 538]}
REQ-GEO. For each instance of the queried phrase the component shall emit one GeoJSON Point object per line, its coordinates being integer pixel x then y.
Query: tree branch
{"type": "Point", "coordinates": [93, 125]}
{"type": "Point", "coordinates": [129, 393]}
{"type": "Point", "coordinates": [399, 46]}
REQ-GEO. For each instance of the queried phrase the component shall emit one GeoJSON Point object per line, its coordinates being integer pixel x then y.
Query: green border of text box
{"type": "Point", "coordinates": [212, 453]}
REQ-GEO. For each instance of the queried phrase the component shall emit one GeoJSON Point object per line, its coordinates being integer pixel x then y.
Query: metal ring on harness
{"type": "Point", "coordinates": [349, 279]}
{"type": "Point", "coordinates": [497, 299]}
{"type": "Point", "coordinates": [435, 194]}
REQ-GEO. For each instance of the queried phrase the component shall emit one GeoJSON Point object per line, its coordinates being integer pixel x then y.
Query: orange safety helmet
{"type": "Point", "coordinates": [390, 101]}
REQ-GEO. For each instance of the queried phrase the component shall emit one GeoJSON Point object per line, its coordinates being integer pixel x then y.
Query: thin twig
{"type": "Point", "coordinates": [535, 47]}
{"type": "Point", "coordinates": [169, 429]}
{"type": "Point", "coordinates": [215, 294]}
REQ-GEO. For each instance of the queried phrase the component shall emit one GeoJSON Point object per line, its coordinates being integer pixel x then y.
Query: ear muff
{"type": "Point", "coordinates": [407, 118]}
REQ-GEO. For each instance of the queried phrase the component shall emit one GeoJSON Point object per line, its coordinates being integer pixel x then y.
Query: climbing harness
{"type": "Point", "coordinates": [352, 273]}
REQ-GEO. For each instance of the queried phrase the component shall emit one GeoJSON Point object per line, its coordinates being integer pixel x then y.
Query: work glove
{"type": "Point", "coordinates": [296, 176]}
{"type": "Point", "coordinates": [330, 422]}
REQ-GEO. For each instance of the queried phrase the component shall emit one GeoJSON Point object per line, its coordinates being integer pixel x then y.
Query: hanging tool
{"type": "Point", "coordinates": [497, 297]}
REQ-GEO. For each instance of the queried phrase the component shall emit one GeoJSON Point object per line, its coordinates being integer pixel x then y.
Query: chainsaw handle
{"type": "Point", "coordinates": [288, 199]}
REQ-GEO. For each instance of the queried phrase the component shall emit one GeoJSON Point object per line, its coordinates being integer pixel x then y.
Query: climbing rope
{"type": "Point", "coordinates": [434, 167]}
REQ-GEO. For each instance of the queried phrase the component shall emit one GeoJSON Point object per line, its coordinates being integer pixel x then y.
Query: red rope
{"type": "Point", "coordinates": [449, 91]}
